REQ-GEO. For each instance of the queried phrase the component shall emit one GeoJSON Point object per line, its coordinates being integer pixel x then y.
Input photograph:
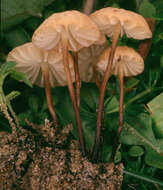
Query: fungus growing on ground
{"type": "Point", "coordinates": [88, 58]}
{"type": "Point", "coordinates": [114, 22]}
{"type": "Point", "coordinates": [69, 30]}
{"type": "Point", "coordinates": [126, 63]}
{"type": "Point", "coordinates": [43, 68]}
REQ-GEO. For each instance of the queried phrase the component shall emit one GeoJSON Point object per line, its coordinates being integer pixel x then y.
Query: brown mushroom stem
{"type": "Point", "coordinates": [71, 91]}
{"type": "Point", "coordinates": [77, 78]}
{"type": "Point", "coordinates": [88, 6]}
{"type": "Point", "coordinates": [45, 71]}
{"type": "Point", "coordinates": [102, 92]}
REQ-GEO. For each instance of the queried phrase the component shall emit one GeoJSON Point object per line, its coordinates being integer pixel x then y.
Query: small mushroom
{"type": "Point", "coordinates": [69, 30]}
{"type": "Point", "coordinates": [88, 58]}
{"type": "Point", "coordinates": [114, 22]}
{"type": "Point", "coordinates": [126, 63]}
{"type": "Point", "coordinates": [43, 68]}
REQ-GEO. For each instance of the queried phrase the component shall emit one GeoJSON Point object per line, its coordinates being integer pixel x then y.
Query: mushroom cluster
{"type": "Point", "coordinates": [65, 49]}
{"type": "Point", "coordinates": [114, 22]}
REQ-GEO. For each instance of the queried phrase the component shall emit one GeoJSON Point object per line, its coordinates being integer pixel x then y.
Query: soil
{"type": "Point", "coordinates": [43, 158]}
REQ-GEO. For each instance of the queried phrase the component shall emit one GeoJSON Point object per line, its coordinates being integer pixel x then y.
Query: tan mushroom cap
{"type": "Point", "coordinates": [132, 24]}
{"type": "Point", "coordinates": [87, 59]}
{"type": "Point", "coordinates": [30, 59]}
{"type": "Point", "coordinates": [80, 30]}
{"type": "Point", "coordinates": [132, 62]}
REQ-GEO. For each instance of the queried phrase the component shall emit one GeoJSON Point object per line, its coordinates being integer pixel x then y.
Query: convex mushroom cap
{"type": "Point", "coordinates": [30, 59]}
{"type": "Point", "coordinates": [132, 24]}
{"type": "Point", "coordinates": [87, 59]}
{"type": "Point", "coordinates": [131, 62]}
{"type": "Point", "coordinates": [79, 29]}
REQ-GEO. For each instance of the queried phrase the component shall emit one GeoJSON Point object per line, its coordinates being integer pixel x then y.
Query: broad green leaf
{"type": "Point", "coordinates": [111, 121]}
{"type": "Point", "coordinates": [127, 137]}
{"type": "Point", "coordinates": [147, 9]}
{"type": "Point", "coordinates": [111, 105]}
{"type": "Point", "coordinates": [138, 131]}
{"type": "Point", "coordinates": [89, 94]}
{"type": "Point", "coordinates": [89, 127]}
{"type": "Point", "coordinates": [32, 23]}
{"type": "Point", "coordinates": [33, 103]}
{"type": "Point", "coordinates": [7, 67]}
{"type": "Point", "coordinates": [136, 151]}
{"type": "Point", "coordinates": [21, 77]}
{"type": "Point", "coordinates": [130, 83]}
{"type": "Point", "coordinates": [106, 153]}
{"type": "Point", "coordinates": [48, 13]}
{"type": "Point", "coordinates": [64, 108]}
{"type": "Point", "coordinates": [16, 37]}
{"type": "Point", "coordinates": [66, 114]}
{"type": "Point", "coordinates": [154, 159]}
{"type": "Point", "coordinates": [14, 12]}
{"type": "Point", "coordinates": [156, 111]}
{"type": "Point", "coordinates": [160, 142]}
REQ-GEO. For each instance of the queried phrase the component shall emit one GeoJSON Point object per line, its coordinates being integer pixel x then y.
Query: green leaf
{"type": "Point", "coordinates": [7, 67]}
{"type": "Point", "coordinates": [111, 105]}
{"type": "Point", "coordinates": [64, 107]}
{"type": "Point", "coordinates": [22, 117]}
{"type": "Point", "coordinates": [161, 61]}
{"type": "Point", "coordinates": [89, 94]}
{"type": "Point", "coordinates": [130, 83]}
{"type": "Point", "coordinates": [4, 124]}
{"type": "Point", "coordinates": [143, 177]}
{"type": "Point", "coordinates": [115, 5]}
{"type": "Point", "coordinates": [158, 4]}
{"type": "Point", "coordinates": [147, 9]}
{"type": "Point", "coordinates": [33, 103]}
{"type": "Point", "coordinates": [138, 131]}
{"type": "Point", "coordinates": [48, 13]}
{"type": "Point", "coordinates": [89, 127]}
{"type": "Point", "coordinates": [16, 37]}
{"type": "Point", "coordinates": [12, 95]}
{"type": "Point", "coordinates": [118, 157]}
{"type": "Point", "coordinates": [21, 77]}
{"type": "Point", "coordinates": [158, 16]}
{"type": "Point", "coordinates": [154, 159]}
{"type": "Point", "coordinates": [156, 111]}
{"type": "Point", "coordinates": [106, 153]}
{"type": "Point", "coordinates": [14, 12]}
{"type": "Point", "coordinates": [45, 105]}
{"type": "Point", "coordinates": [136, 151]}
{"type": "Point", "coordinates": [32, 23]}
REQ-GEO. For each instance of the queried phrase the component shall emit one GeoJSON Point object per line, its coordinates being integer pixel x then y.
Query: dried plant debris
{"type": "Point", "coordinates": [48, 160]}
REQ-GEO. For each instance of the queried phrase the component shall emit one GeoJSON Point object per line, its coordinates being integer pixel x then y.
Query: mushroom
{"type": "Point", "coordinates": [114, 22]}
{"type": "Point", "coordinates": [43, 68]}
{"type": "Point", "coordinates": [126, 63]}
{"type": "Point", "coordinates": [88, 58]}
{"type": "Point", "coordinates": [69, 30]}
